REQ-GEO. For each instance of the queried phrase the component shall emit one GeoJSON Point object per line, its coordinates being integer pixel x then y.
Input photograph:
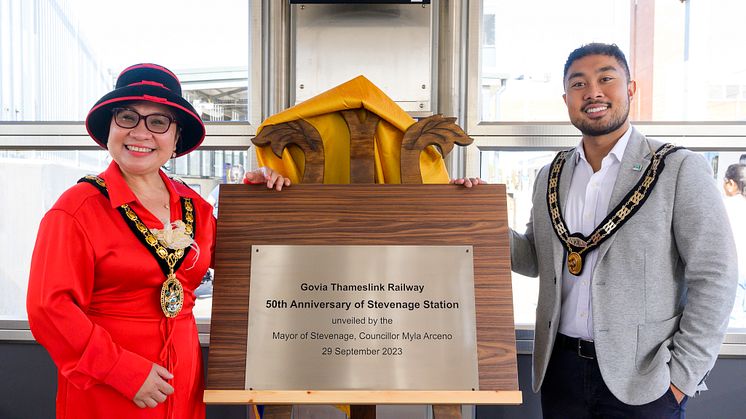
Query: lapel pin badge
{"type": "Point", "coordinates": [637, 167]}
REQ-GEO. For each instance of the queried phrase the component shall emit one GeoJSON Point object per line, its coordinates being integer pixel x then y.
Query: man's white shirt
{"type": "Point", "coordinates": [586, 206]}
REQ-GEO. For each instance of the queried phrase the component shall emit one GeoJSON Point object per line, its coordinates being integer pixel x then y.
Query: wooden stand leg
{"type": "Point", "coordinates": [363, 411]}
{"type": "Point", "coordinates": [277, 412]}
{"type": "Point", "coordinates": [446, 411]}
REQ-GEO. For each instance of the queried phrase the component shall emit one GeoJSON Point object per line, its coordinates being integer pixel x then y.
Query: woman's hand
{"type": "Point", "coordinates": [155, 389]}
{"type": "Point", "coordinates": [468, 181]}
{"type": "Point", "coordinates": [265, 174]}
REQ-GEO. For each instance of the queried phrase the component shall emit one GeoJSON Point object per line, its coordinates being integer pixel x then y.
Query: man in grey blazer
{"type": "Point", "coordinates": [635, 258]}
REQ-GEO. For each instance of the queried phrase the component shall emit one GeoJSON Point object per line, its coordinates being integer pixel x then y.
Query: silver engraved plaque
{"type": "Point", "coordinates": [362, 318]}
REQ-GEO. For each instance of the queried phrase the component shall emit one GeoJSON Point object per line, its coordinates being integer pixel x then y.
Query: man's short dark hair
{"type": "Point", "coordinates": [737, 173]}
{"type": "Point", "coordinates": [597, 48]}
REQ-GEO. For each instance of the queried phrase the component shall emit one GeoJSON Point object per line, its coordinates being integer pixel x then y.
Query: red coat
{"type": "Point", "coordinates": [94, 303]}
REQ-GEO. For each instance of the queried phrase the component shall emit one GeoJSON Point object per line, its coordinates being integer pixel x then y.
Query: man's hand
{"type": "Point", "coordinates": [265, 174]}
{"type": "Point", "coordinates": [468, 181]}
{"type": "Point", "coordinates": [677, 393]}
{"type": "Point", "coordinates": [155, 389]}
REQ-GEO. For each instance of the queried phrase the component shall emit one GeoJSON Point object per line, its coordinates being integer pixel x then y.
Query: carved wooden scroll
{"type": "Point", "coordinates": [362, 137]}
{"type": "Point", "coordinates": [301, 134]}
{"type": "Point", "coordinates": [435, 130]}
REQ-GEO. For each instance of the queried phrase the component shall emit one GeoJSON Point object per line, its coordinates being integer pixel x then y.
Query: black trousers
{"type": "Point", "coordinates": [573, 389]}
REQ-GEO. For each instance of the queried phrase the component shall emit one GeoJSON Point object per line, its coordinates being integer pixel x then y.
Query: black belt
{"type": "Point", "coordinates": [584, 348]}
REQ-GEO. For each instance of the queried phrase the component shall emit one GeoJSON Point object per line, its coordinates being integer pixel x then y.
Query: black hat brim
{"type": "Point", "coordinates": [98, 120]}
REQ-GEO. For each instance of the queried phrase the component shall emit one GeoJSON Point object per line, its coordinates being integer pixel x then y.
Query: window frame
{"type": "Point", "coordinates": [268, 75]}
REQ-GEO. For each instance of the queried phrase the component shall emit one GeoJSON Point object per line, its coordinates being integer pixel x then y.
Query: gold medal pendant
{"type": "Point", "coordinates": [574, 263]}
{"type": "Point", "coordinates": [172, 296]}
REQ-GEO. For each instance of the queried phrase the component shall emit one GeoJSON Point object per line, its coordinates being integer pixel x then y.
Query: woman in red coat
{"type": "Point", "coordinates": [118, 257]}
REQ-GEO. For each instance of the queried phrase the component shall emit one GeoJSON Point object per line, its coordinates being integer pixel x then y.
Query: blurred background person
{"type": "Point", "coordinates": [734, 186]}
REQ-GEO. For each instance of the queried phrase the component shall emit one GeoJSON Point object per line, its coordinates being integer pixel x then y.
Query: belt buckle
{"type": "Point", "coordinates": [580, 350]}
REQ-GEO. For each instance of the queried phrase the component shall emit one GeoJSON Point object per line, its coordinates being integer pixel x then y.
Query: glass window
{"type": "Point", "coordinates": [36, 178]}
{"type": "Point", "coordinates": [58, 57]}
{"type": "Point", "coordinates": [521, 75]}
{"type": "Point", "coordinates": [518, 170]}
{"type": "Point", "coordinates": [194, 163]}
{"type": "Point", "coordinates": [735, 205]}
{"type": "Point", "coordinates": [680, 54]}
{"type": "Point", "coordinates": [488, 30]}
{"type": "Point", "coordinates": [683, 76]}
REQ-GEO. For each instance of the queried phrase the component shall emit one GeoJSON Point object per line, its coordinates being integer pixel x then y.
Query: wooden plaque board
{"type": "Point", "coordinates": [363, 215]}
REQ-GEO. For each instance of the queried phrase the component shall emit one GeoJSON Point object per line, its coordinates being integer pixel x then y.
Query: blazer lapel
{"type": "Point", "coordinates": [636, 158]}
{"type": "Point", "coordinates": [564, 188]}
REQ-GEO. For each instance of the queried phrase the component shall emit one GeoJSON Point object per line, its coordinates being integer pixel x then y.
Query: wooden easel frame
{"type": "Point", "coordinates": [364, 215]}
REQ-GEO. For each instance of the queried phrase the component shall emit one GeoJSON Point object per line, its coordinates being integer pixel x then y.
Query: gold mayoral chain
{"type": "Point", "coordinates": [576, 244]}
{"type": "Point", "coordinates": [172, 292]}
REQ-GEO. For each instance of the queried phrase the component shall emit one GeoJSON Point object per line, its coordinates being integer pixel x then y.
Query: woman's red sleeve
{"type": "Point", "coordinates": [60, 286]}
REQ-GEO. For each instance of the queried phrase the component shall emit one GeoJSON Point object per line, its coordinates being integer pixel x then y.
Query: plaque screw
{"type": "Point", "coordinates": [302, 86]}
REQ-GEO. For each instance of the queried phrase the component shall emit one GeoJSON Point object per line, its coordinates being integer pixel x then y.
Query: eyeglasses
{"type": "Point", "coordinates": [155, 122]}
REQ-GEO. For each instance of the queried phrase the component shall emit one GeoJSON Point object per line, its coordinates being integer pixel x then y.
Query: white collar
{"type": "Point", "coordinates": [617, 151]}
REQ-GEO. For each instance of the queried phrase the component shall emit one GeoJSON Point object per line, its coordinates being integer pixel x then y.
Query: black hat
{"type": "Point", "coordinates": [149, 83]}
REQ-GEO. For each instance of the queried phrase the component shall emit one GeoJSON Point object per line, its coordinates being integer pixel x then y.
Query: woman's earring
{"type": "Point", "coordinates": [173, 162]}
{"type": "Point", "coordinates": [173, 155]}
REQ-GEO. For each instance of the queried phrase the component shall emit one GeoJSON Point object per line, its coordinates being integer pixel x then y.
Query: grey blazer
{"type": "Point", "coordinates": [663, 284]}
